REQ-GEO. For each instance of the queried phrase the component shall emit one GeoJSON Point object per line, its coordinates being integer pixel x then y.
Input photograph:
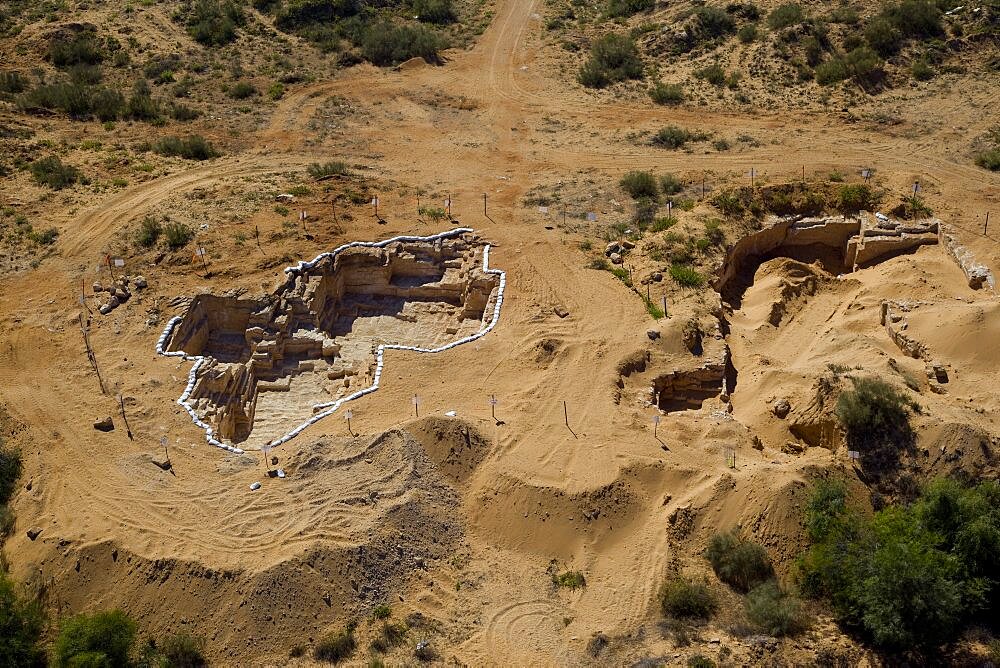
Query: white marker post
{"type": "Point", "coordinates": [375, 204]}
{"type": "Point", "coordinates": [854, 456]}
{"type": "Point", "coordinates": [348, 414]}
{"type": "Point", "coordinates": [916, 188]}
{"type": "Point", "coordinates": [656, 423]}
{"type": "Point", "coordinates": [163, 443]}
{"type": "Point", "coordinates": [731, 457]}
{"type": "Point", "coordinates": [200, 252]}
{"type": "Point", "coordinates": [866, 173]}
{"type": "Point", "coordinates": [302, 217]}
{"type": "Point", "coordinates": [416, 405]}
{"type": "Point", "coordinates": [591, 217]}
{"type": "Point", "coordinates": [670, 206]}
{"type": "Point", "coordinates": [266, 449]}
{"type": "Point", "coordinates": [493, 406]}
{"type": "Point", "coordinates": [752, 173]}
{"type": "Point", "coordinates": [447, 204]}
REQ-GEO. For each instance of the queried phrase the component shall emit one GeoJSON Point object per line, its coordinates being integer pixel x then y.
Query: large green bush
{"type": "Point", "coordinates": [740, 563]}
{"type": "Point", "coordinates": [674, 137]}
{"type": "Point", "coordinates": [785, 15]}
{"type": "Point", "coordinates": [183, 650]}
{"type": "Point", "coordinates": [875, 417]}
{"type": "Point", "coordinates": [82, 48]}
{"type": "Point", "coordinates": [434, 11]}
{"type": "Point", "coordinates": [663, 93]}
{"type": "Point", "coordinates": [22, 623]}
{"type": "Point", "coordinates": [909, 577]}
{"type": "Point", "coordinates": [714, 22]}
{"type": "Point", "coordinates": [389, 43]}
{"type": "Point", "coordinates": [336, 647]}
{"type": "Point", "coordinates": [10, 471]}
{"type": "Point", "coordinates": [639, 184]}
{"type": "Point", "coordinates": [687, 276]}
{"type": "Point", "coordinates": [618, 8]}
{"type": "Point", "coordinates": [214, 23]}
{"type": "Point", "coordinates": [101, 639]}
{"type": "Point", "coordinates": [613, 58]}
{"type": "Point", "coordinates": [50, 171]}
{"type": "Point", "coordinates": [194, 147]}
{"type": "Point", "coordinates": [775, 612]}
{"type": "Point", "coordinates": [856, 197]}
{"type": "Point", "coordinates": [989, 159]}
{"type": "Point", "coordinates": [687, 598]}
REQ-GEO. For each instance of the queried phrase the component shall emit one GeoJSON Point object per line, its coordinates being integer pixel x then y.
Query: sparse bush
{"type": "Point", "coordinates": [194, 147]}
{"type": "Point", "coordinates": [183, 650]}
{"type": "Point", "coordinates": [382, 611]}
{"type": "Point", "coordinates": [141, 105]}
{"type": "Point", "coordinates": [44, 238]}
{"type": "Point", "coordinates": [774, 612]}
{"type": "Point", "coordinates": [276, 91]}
{"type": "Point", "coordinates": [831, 72]}
{"type": "Point", "coordinates": [82, 48]}
{"type": "Point", "coordinates": [785, 15]}
{"type": "Point", "coordinates": [921, 71]}
{"type": "Point", "coordinates": [214, 23]}
{"type": "Point", "coordinates": [101, 639]}
{"type": "Point", "coordinates": [740, 563]}
{"type": "Point", "coordinates": [10, 471]}
{"type": "Point", "coordinates": [883, 36]}
{"type": "Point", "coordinates": [331, 168]}
{"type": "Point", "coordinates": [388, 43]}
{"type": "Point", "coordinates": [181, 112]}
{"type": "Point", "coordinates": [570, 579]}
{"type": "Point", "coordinates": [667, 93]}
{"type": "Point", "coordinates": [685, 598]}
{"type": "Point", "coordinates": [989, 159]}
{"type": "Point", "coordinates": [434, 11]}
{"type": "Point", "coordinates": [670, 184]}
{"type": "Point", "coordinates": [639, 184]}
{"type": "Point", "coordinates": [714, 232]}
{"type": "Point", "coordinates": [714, 22]}
{"type": "Point", "coordinates": [22, 623]}
{"type": "Point", "coordinates": [242, 90]}
{"type": "Point", "coordinates": [336, 647]}
{"type": "Point", "coordinates": [875, 418]}
{"type": "Point", "coordinates": [618, 8]}
{"type": "Point", "coordinates": [149, 232]}
{"type": "Point", "coordinates": [50, 171]}
{"type": "Point", "coordinates": [700, 661]}
{"type": "Point", "coordinates": [672, 137]}
{"type": "Point", "coordinates": [177, 235]}
{"type": "Point", "coordinates": [856, 197]}
{"type": "Point", "coordinates": [13, 83]}
{"type": "Point", "coordinates": [747, 33]}
{"type": "Point", "coordinates": [686, 276]}
{"type": "Point", "coordinates": [613, 58]}
{"type": "Point", "coordinates": [713, 74]}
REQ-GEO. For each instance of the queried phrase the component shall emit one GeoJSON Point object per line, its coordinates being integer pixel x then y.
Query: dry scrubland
{"type": "Point", "coordinates": [570, 530]}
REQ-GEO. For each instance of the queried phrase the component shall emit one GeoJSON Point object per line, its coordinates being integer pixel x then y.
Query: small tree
{"type": "Point", "coordinates": [101, 639]}
{"type": "Point", "coordinates": [740, 563]}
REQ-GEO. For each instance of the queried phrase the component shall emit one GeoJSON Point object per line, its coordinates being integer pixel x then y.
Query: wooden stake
{"type": "Point", "coordinates": [566, 414]}
{"type": "Point", "coordinates": [484, 205]}
{"type": "Point", "coordinates": [987, 225]}
{"type": "Point", "coordinates": [128, 429]}
{"type": "Point", "coordinates": [664, 306]}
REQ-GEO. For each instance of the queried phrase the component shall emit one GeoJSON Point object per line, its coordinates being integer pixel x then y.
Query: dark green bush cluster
{"type": "Point", "coordinates": [861, 64]}
{"type": "Point", "coordinates": [194, 147]}
{"type": "Point", "coordinates": [687, 276]}
{"type": "Point", "coordinates": [857, 197]}
{"type": "Point", "coordinates": [775, 612]}
{"type": "Point", "coordinates": [149, 232]}
{"type": "Point", "coordinates": [177, 235]}
{"type": "Point", "coordinates": [785, 15]}
{"type": "Point", "coordinates": [183, 651]}
{"type": "Point", "coordinates": [390, 43]}
{"type": "Point", "coordinates": [570, 579]}
{"type": "Point", "coordinates": [435, 11]}
{"type": "Point", "coordinates": [910, 19]}
{"type": "Point", "coordinates": [617, 8]}
{"type": "Point", "coordinates": [909, 577]}
{"type": "Point", "coordinates": [214, 23]}
{"type": "Point", "coordinates": [50, 171]}
{"type": "Point", "coordinates": [663, 93]}
{"type": "Point", "coordinates": [331, 168]}
{"type": "Point", "coordinates": [336, 647]}
{"type": "Point", "coordinates": [989, 159]}
{"type": "Point", "coordinates": [12, 83]}
{"type": "Point", "coordinates": [242, 90]}
{"type": "Point", "coordinates": [674, 137]}
{"type": "Point", "coordinates": [22, 622]}
{"type": "Point", "coordinates": [875, 418]}
{"type": "Point", "coordinates": [714, 22]}
{"type": "Point", "coordinates": [740, 563]}
{"type": "Point", "coordinates": [613, 58]}
{"type": "Point", "coordinates": [101, 639]}
{"type": "Point", "coordinates": [684, 598]}
{"type": "Point", "coordinates": [83, 48]}
{"type": "Point", "coordinates": [82, 101]}
{"type": "Point", "coordinates": [639, 185]}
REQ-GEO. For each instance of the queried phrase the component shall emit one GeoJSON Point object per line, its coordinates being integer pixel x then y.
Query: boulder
{"type": "Point", "coordinates": [104, 424]}
{"type": "Point", "coordinates": [560, 311]}
{"type": "Point", "coordinates": [611, 248]}
{"type": "Point", "coordinates": [627, 245]}
{"type": "Point", "coordinates": [616, 258]}
{"type": "Point", "coordinates": [98, 287]}
{"type": "Point", "coordinates": [793, 447]}
{"type": "Point", "coordinates": [653, 334]}
{"type": "Point", "coordinates": [657, 276]}
{"type": "Point", "coordinates": [106, 308]}
{"type": "Point", "coordinates": [782, 408]}
{"type": "Point", "coordinates": [140, 283]}
{"type": "Point", "coordinates": [33, 532]}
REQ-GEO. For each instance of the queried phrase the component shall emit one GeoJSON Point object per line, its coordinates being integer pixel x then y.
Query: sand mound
{"type": "Point", "coordinates": [457, 447]}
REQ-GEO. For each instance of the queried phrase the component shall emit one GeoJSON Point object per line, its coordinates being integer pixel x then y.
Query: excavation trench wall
{"type": "Point", "coordinates": [319, 339]}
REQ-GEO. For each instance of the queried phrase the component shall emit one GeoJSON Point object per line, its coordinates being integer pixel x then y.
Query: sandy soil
{"type": "Point", "coordinates": [414, 511]}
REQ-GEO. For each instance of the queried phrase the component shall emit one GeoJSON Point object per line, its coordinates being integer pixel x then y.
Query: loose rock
{"type": "Point", "coordinates": [104, 424]}
{"type": "Point", "coordinates": [782, 408]}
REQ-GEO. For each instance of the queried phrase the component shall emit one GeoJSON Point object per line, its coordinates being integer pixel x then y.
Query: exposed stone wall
{"type": "Point", "coordinates": [978, 274]}
{"type": "Point", "coordinates": [893, 318]}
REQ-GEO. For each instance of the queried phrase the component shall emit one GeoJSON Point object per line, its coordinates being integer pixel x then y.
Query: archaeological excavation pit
{"type": "Point", "coordinates": [266, 366]}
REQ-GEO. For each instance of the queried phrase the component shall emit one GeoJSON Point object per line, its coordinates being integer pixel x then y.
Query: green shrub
{"type": "Point", "coordinates": [826, 506]}
{"type": "Point", "coordinates": [82, 48]}
{"type": "Point", "coordinates": [13, 83]}
{"type": "Point", "coordinates": [613, 58]}
{"type": "Point", "coordinates": [921, 71]}
{"type": "Point", "coordinates": [194, 147]}
{"type": "Point", "coordinates": [915, 18]}
{"type": "Point", "coordinates": [382, 611]}
{"type": "Point", "coordinates": [875, 418]}
{"type": "Point", "coordinates": [434, 11]}
{"type": "Point", "coordinates": [700, 661]}
{"type": "Point", "coordinates": [183, 650]}
{"type": "Point", "coordinates": [714, 232]}
{"type": "Point", "coordinates": [686, 276]}
{"type": "Point", "coordinates": [844, 14]}
{"type": "Point", "coordinates": [177, 235]}
{"type": "Point", "coordinates": [639, 184]}
{"type": "Point", "coordinates": [101, 639]}
{"type": "Point", "coordinates": [713, 74]}
{"type": "Point", "coordinates": [747, 33]}
{"type": "Point", "coordinates": [740, 563]}
{"type": "Point", "coordinates": [670, 184]}
{"type": "Point", "coordinates": [242, 90]}
{"type": "Point", "coordinates": [388, 43]}
{"type": "Point", "coordinates": [181, 112]}
{"type": "Point", "coordinates": [882, 36]}
{"type": "Point", "coordinates": [618, 8]}
{"type": "Point", "coordinates": [667, 93]}
{"type": "Point", "coordinates": [10, 471]}
{"type": "Point", "coordinates": [714, 22]}
{"type": "Point", "coordinates": [571, 579]}
{"type": "Point", "coordinates": [684, 598]}
{"type": "Point", "coordinates": [149, 232]}
{"type": "Point", "coordinates": [785, 15]}
{"type": "Point", "coordinates": [856, 197]}
{"type": "Point", "coordinates": [44, 238]}
{"type": "Point", "coordinates": [774, 612]}
{"type": "Point", "coordinates": [141, 105]}
{"type": "Point", "coordinates": [336, 647]}
{"type": "Point", "coordinates": [214, 23]}
{"type": "Point", "coordinates": [331, 168]}
{"type": "Point", "coordinates": [276, 91]}
{"type": "Point", "coordinates": [22, 623]}
{"type": "Point", "coordinates": [50, 171]}
{"type": "Point", "coordinates": [989, 159]}
{"type": "Point", "coordinates": [831, 72]}
{"type": "Point", "coordinates": [672, 137]}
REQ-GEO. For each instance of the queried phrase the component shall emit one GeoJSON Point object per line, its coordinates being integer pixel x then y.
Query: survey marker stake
{"type": "Point", "coordinates": [348, 414]}
{"type": "Point", "coordinates": [128, 429]}
{"type": "Point", "coordinates": [416, 405]}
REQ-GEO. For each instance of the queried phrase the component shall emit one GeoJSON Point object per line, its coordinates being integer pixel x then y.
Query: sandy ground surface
{"type": "Point", "coordinates": [463, 534]}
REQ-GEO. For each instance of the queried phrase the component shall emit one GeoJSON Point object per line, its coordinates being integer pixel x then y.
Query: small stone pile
{"type": "Point", "coordinates": [616, 250]}
{"type": "Point", "coordinates": [118, 292]}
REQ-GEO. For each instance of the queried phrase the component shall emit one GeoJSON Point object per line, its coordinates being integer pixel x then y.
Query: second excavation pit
{"type": "Point", "coordinates": [269, 361]}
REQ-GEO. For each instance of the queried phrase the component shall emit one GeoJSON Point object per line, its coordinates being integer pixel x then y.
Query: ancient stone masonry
{"type": "Point", "coordinates": [687, 388]}
{"type": "Point", "coordinates": [265, 365]}
{"type": "Point", "coordinates": [977, 274]}
{"type": "Point", "coordinates": [842, 244]}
